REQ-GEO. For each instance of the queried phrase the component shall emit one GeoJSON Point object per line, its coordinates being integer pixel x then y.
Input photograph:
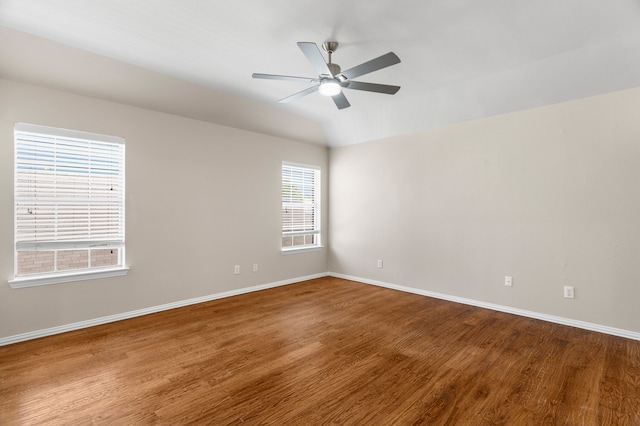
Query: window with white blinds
{"type": "Point", "coordinates": [69, 201]}
{"type": "Point", "coordinates": [300, 207]}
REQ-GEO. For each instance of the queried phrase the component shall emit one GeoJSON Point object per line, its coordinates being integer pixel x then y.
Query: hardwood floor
{"type": "Point", "coordinates": [323, 352]}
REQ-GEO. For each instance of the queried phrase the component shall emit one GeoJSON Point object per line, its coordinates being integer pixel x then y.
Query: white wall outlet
{"type": "Point", "coordinates": [255, 267]}
{"type": "Point", "coordinates": [236, 269]}
{"type": "Point", "coordinates": [508, 281]}
{"type": "Point", "coordinates": [379, 263]}
{"type": "Point", "coordinates": [568, 292]}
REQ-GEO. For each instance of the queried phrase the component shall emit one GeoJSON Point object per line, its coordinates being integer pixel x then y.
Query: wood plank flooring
{"type": "Point", "coordinates": [323, 352]}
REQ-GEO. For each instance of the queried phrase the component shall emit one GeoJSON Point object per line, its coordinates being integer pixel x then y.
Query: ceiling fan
{"type": "Point", "coordinates": [331, 80]}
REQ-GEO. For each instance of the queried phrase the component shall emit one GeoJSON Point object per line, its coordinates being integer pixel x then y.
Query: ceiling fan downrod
{"type": "Point", "coordinates": [330, 47]}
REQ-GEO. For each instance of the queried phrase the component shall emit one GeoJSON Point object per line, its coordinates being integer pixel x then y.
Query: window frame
{"type": "Point", "coordinates": [317, 214]}
{"type": "Point", "coordinates": [24, 131]}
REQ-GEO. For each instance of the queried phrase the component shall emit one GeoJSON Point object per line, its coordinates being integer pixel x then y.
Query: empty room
{"type": "Point", "coordinates": [334, 213]}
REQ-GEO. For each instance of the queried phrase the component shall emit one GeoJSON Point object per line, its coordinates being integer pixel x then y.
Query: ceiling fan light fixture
{"type": "Point", "coordinates": [329, 88]}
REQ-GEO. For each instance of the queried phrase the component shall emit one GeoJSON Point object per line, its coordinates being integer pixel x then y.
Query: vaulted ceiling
{"type": "Point", "coordinates": [461, 59]}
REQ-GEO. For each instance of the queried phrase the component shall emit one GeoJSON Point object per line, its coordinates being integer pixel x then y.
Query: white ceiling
{"type": "Point", "coordinates": [461, 59]}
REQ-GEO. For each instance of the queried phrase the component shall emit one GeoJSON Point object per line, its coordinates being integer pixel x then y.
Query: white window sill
{"type": "Point", "coordinates": [300, 250]}
{"type": "Point", "coordinates": [32, 281]}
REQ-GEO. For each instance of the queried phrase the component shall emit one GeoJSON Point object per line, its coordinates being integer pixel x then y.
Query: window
{"type": "Point", "coordinates": [69, 205]}
{"type": "Point", "coordinates": [300, 207]}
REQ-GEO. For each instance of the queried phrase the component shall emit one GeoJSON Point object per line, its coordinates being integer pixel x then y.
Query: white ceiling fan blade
{"type": "Point", "coordinates": [313, 54]}
{"type": "Point", "coordinates": [373, 65]}
{"type": "Point", "coordinates": [284, 77]}
{"type": "Point", "coordinates": [295, 96]}
{"type": "Point", "coordinates": [372, 87]}
{"type": "Point", "coordinates": [341, 101]}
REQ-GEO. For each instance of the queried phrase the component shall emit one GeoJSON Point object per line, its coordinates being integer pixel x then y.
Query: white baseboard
{"type": "Point", "coordinates": [132, 314]}
{"type": "Point", "coordinates": [530, 314]}
{"type": "Point", "coordinates": [126, 315]}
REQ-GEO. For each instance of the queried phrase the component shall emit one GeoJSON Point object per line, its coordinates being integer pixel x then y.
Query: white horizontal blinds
{"type": "Point", "coordinates": [300, 205]}
{"type": "Point", "coordinates": [69, 191]}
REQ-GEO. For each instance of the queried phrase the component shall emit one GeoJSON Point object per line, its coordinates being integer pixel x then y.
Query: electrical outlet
{"type": "Point", "coordinates": [508, 281]}
{"type": "Point", "coordinates": [379, 263]}
{"type": "Point", "coordinates": [236, 269]}
{"type": "Point", "coordinates": [255, 267]}
{"type": "Point", "coordinates": [568, 292]}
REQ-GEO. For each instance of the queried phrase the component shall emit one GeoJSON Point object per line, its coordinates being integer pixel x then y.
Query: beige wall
{"type": "Point", "coordinates": [549, 196]}
{"type": "Point", "coordinates": [200, 199]}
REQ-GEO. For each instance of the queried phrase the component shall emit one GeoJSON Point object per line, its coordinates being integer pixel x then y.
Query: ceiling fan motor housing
{"type": "Point", "coordinates": [334, 68]}
{"type": "Point", "coordinates": [330, 46]}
